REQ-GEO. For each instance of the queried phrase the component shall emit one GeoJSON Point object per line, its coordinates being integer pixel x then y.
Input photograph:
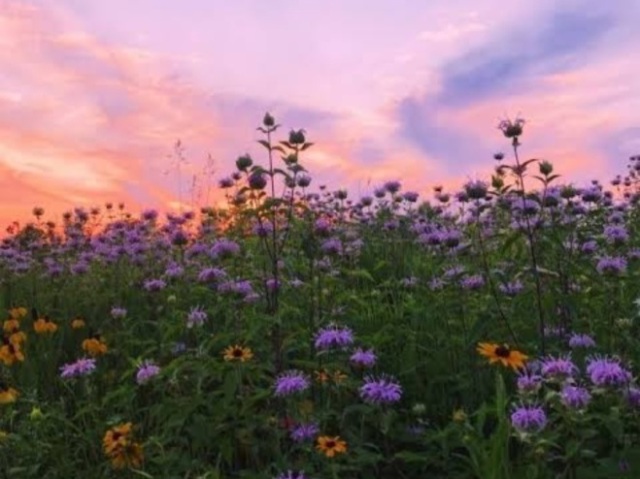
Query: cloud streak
{"type": "Point", "coordinates": [94, 94]}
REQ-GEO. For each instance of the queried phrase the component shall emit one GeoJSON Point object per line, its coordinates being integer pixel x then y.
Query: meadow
{"type": "Point", "coordinates": [301, 333]}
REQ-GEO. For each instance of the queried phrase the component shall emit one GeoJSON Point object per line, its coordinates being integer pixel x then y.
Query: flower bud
{"type": "Point", "coordinates": [257, 181]}
{"type": "Point", "coordinates": [296, 137]}
{"type": "Point", "coordinates": [546, 168]}
{"type": "Point", "coordinates": [419, 409]}
{"type": "Point", "coordinates": [244, 162]}
{"type": "Point", "coordinates": [36, 414]}
{"type": "Point", "coordinates": [268, 120]}
{"type": "Point", "coordinates": [497, 182]}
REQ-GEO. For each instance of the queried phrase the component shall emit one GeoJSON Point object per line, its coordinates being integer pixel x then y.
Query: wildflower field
{"type": "Point", "coordinates": [300, 333]}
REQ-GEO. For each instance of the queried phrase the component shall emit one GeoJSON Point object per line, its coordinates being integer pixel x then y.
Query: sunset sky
{"type": "Point", "coordinates": [95, 93]}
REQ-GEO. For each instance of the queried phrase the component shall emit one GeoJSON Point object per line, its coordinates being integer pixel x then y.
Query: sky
{"type": "Point", "coordinates": [95, 94]}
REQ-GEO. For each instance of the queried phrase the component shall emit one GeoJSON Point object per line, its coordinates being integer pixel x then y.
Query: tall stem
{"type": "Point", "coordinates": [532, 249]}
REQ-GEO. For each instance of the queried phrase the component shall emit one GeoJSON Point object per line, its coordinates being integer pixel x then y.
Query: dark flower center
{"type": "Point", "coordinates": [330, 444]}
{"type": "Point", "coordinates": [237, 353]}
{"type": "Point", "coordinates": [503, 351]}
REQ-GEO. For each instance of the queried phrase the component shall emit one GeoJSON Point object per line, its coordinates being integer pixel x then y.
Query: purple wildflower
{"type": "Point", "coordinates": [118, 312]}
{"type": "Point", "coordinates": [511, 288]}
{"type": "Point", "coordinates": [382, 390]}
{"type": "Point", "coordinates": [146, 371]}
{"type": "Point", "coordinates": [291, 382]}
{"type": "Point", "coordinates": [292, 475]}
{"type": "Point", "coordinates": [607, 371]}
{"type": "Point", "coordinates": [528, 382]}
{"type": "Point", "coordinates": [528, 418]}
{"type": "Point", "coordinates": [611, 265]}
{"type": "Point", "coordinates": [196, 317]}
{"type": "Point", "coordinates": [154, 285]}
{"type": "Point", "coordinates": [81, 367]}
{"type": "Point", "coordinates": [304, 431]}
{"type": "Point", "coordinates": [632, 395]}
{"type": "Point", "coordinates": [363, 358]}
{"type": "Point", "coordinates": [333, 336]}
{"type": "Point", "coordinates": [224, 248]}
{"type": "Point", "coordinates": [558, 368]}
{"type": "Point", "coordinates": [581, 341]}
{"type": "Point", "coordinates": [472, 282]}
{"type": "Point", "coordinates": [575, 397]}
{"type": "Point", "coordinates": [208, 275]}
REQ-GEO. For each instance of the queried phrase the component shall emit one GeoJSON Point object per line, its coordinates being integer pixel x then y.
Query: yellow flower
{"type": "Point", "coordinates": [322, 376]}
{"type": "Point", "coordinates": [8, 395]}
{"type": "Point", "coordinates": [10, 353]}
{"type": "Point", "coordinates": [17, 339]}
{"type": "Point", "coordinates": [17, 313]}
{"type": "Point", "coordinates": [459, 415]}
{"type": "Point", "coordinates": [94, 346]}
{"type": "Point", "coordinates": [119, 447]}
{"type": "Point", "coordinates": [330, 446]}
{"type": "Point", "coordinates": [502, 354]}
{"type": "Point", "coordinates": [11, 326]}
{"type": "Point", "coordinates": [78, 323]}
{"type": "Point", "coordinates": [237, 353]}
{"type": "Point", "coordinates": [44, 325]}
{"type": "Point", "coordinates": [339, 377]}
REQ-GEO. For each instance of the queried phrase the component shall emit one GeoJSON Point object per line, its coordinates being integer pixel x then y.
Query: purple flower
{"type": "Point", "coordinates": [382, 390]}
{"type": "Point", "coordinates": [616, 234]}
{"type": "Point", "coordinates": [363, 358]}
{"type": "Point", "coordinates": [632, 395]}
{"type": "Point", "coordinates": [208, 275]}
{"type": "Point", "coordinates": [472, 282]}
{"type": "Point", "coordinates": [118, 312]}
{"type": "Point", "coordinates": [291, 382]}
{"type": "Point", "coordinates": [392, 186]}
{"type": "Point", "coordinates": [558, 368]}
{"type": "Point", "coordinates": [611, 265]}
{"type": "Point", "coordinates": [528, 382]}
{"type": "Point", "coordinates": [581, 341]}
{"type": "Point", "coordinates": [331, 246]}
{"type": "Point", "coordinates": [224, 248]}
{"type": "Point", "coordinates": [196, 317]}
{"type": "Point", "coordinates": [154, 285]}
{"type": "Point", "coordinates": [292, 475]}
{"type": "Point", "coordinates": [528, 418]}
{"type": "Point", "coordinates": [575, 397]}
{"type": "Point", "coordinates": [146, 371]}
{"type": "Point", "coordinates": [333, 336]}
{"type": "Point", "coordinates": [512, 288]}
{"type": "Point", "coordinates": [304, 431]}
{"type": "Point", "coordinates": [606, 371]}
{"type": "Point", "coordinates": [410, 196]}
{"type": "Point", "coordinates": [82, 367]}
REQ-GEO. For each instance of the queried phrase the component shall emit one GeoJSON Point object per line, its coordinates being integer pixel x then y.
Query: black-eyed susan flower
{"type": "Point", "coordinates": [44, 325]}
{"type": "Point", "coordinates": [95, 346]}
{"type": "Point", "coordinates": [10, 353]}
{"type": "Point", "coordinates": [502, 354]}
{"type": "Point", "coordinates": [120, 448]}
{"type": "Point", "coordinates": [11, 326]}
{"type": "Point", "coordinates": [338, 377]}
{"type": "Point", "coordinates": [331, 446]}
{"type": "Point", "coordinates": [322, 376]}
{"type": "Point", "coordinates": [78, 323]}
{"type": "Point", "coordinates": [18, 313]}
{"type": "Point", "coordinates": [18, 338]}
{"type": "Point", "coordinates": [237, 353]}
{"type": "Point", "coordinates": [8, 394]}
